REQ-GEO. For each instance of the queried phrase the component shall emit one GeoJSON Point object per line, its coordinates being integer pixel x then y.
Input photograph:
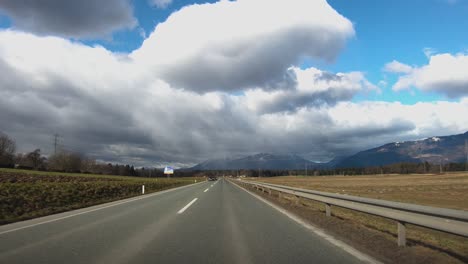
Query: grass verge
{"type": "Point", "coordinates": [30, 194]}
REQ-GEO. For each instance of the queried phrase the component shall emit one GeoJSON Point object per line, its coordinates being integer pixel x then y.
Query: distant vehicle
{"type": "Point", "coordinates": [212, 178]}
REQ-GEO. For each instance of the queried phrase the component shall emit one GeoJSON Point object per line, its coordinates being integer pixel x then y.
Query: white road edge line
{"type": "Point", "coordinates": [206, 190]}
{"type": "Point", "coordinates": [187, 206]}
{"type": "Point", "coordinates": [92, 210]}
{"type": "Point", "coordinates": [354, 252]}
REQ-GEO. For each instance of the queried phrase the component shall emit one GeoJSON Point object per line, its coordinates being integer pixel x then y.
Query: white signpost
{"type": "Point", "coordinates": [168, 171]}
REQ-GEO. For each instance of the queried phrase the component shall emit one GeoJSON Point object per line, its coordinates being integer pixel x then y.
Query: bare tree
{"type": "Point", "coordinates": [65, 161]}
{"type": "Point", "coordinates": [7, 150]}
{"type": "Point", "coordinates": [31, 160]}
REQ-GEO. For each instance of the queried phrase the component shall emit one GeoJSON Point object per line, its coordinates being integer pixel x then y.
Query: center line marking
{"type": "Point", "coordinates": [206, 190]}
{"type": "Point", "coordinates": [187, 206]}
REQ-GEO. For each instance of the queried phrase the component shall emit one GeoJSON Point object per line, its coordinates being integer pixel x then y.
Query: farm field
{"type": "Point", "coordinates": [447, 191]}
{"type": "Point", "coordinates": [30, 194]}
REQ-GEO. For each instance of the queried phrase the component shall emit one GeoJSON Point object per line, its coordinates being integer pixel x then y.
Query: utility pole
{"type": "Point", "coordinates": [56, 136]}
{"type": "Point", "coordinates": [420, 157]}
{"type": "Point", "coordinates": [440, 164]}
{"type": "Point", "coordinates": [466, 152]}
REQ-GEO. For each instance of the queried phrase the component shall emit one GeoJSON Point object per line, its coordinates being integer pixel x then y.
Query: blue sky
{"type": "Point", "coordinates": [236, 75]}
{"type": "Point", "coordinates": [400, 30]}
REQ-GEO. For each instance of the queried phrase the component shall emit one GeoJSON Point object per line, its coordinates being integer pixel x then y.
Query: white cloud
{"type": "Point", "coordinates": [397, 67]}
{"type": "Point", "coordinates": [315, 88]}
{"type": "Point", "coordinates": [428, 52]}
{"type": "Point", "coordinates": [142, 32]}
{"type": "Point", "coordinates": [242, 44]}
{"type": "Point", "coordinates": [383, 83]}
{"type": "Point", "coordinates": [160, 3]}
{"type": "Point", "coordinates": [445, 74]}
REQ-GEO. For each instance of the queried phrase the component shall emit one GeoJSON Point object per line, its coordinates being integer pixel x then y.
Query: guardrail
{"type": "Point", "coordinates": [441, 219]}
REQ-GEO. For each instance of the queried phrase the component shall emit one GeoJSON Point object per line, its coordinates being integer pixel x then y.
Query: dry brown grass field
{"type": "Point", "coordinates": [441, 190]}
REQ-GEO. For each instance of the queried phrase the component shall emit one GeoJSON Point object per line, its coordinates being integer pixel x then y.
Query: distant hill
{"type": "Point", "coordinates": [263, 161]}
{"type": "Point", "coordinates": [432, 150]}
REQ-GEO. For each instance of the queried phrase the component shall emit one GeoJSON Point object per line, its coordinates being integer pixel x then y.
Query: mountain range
{"type": "Point", "coordinates": [261, 161]}
{"type": "Point", "coordinates": [433, 150]}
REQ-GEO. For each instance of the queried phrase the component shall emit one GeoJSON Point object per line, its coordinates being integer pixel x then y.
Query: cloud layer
{"type": "Point", "coordinates": [74, 19]}
{"type": "Point", "coordinates": [194, 92]}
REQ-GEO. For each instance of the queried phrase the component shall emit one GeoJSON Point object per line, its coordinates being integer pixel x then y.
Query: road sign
{"type": "Point", "coordinates": [168, 170]}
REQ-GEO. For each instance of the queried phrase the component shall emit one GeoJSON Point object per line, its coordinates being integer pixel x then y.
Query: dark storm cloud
{"type": "Point", "coordinates": [86, 124]}
{"type": "Point", "coordinates": [68, 18]}
{"type": "Point", "coordinates": [394, 127]}
{"type": "Point", "coordinates": [451, 88]}
{"type": "Point", "coordinates": [263, 62]}
{"type": "Point", "coordinates": [293, 101]}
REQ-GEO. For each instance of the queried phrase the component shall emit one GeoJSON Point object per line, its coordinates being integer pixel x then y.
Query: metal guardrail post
{"type": "Point", "coordinates": [298, 200]}
{"type": "Point", "coordinates": [328, 209]}
{"type": "Point", "coordinates": [458, 215]}
{"type": "Point", "coordinates": [401, 234]}
{"type": "Point", "coordinates": [269, 191]}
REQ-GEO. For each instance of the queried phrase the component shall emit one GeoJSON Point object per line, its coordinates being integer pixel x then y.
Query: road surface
{"type": "Point", "coordinates": [209, 222]}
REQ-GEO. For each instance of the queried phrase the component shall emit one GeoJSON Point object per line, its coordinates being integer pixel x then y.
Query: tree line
{"type": "Point", "coordinates": [67, 161]}
{"type": "Point", "coordinates": [397, 168]}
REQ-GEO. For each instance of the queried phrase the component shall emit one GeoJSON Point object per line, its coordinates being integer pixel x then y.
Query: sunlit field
{"type": "Point", "coordinates": [29, 194]}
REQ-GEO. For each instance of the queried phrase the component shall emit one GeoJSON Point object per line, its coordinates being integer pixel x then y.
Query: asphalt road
{"type": "Point", "coordinates": [225, 224]}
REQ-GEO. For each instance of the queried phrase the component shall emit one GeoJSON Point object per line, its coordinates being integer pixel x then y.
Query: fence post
{"type": "Point", "coordinates": [401, 234]}
{"type": "Point", "coordinates": [328, 209]}
{"type": "Point", "coordinates": [143, 189]}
